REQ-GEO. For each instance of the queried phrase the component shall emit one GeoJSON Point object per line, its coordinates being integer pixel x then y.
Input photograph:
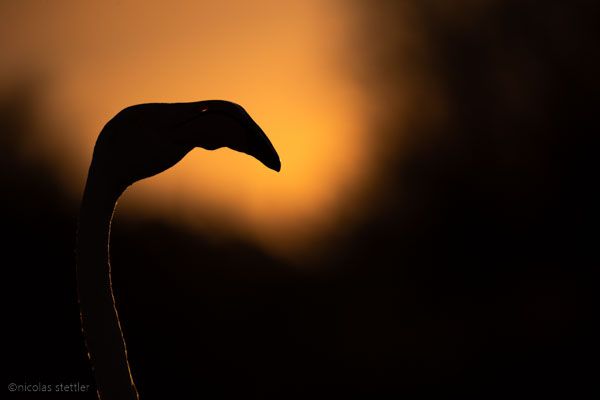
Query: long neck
{"type": "Point", "coordinates": [100, 320]}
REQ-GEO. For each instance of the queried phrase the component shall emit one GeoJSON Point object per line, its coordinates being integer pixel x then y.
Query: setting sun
{"type": "Point", "coordinates": [280, 60]}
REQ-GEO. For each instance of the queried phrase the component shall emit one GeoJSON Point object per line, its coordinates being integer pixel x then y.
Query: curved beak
{"type": "Point", "coordinates": [216, 123]}
{"type": "Point", "coordinates": [261, 148]}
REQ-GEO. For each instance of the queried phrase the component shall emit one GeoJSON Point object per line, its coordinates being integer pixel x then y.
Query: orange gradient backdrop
{"type": "Point", "coordinates": [288, 63]}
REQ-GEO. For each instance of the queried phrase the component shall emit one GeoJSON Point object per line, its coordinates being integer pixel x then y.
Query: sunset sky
{"type": "Point", "coordinates": [428, 228]}
{"type": "Point", "coordinates": [292, 65]}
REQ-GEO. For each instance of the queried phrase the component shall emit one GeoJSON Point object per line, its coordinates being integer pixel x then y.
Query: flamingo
{"type": "Point", "coordinates": [139, 142]}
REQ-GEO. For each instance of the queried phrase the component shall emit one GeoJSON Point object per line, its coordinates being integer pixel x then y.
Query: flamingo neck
{"type": "Point", "coordinates": [99, 316]}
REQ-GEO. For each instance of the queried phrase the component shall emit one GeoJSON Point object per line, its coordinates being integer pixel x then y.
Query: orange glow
{"type": "Point", "coordinates": [285, 62]}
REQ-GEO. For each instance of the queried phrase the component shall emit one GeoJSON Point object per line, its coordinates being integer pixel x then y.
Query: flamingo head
{"type": "Point", "coordinates": [147, 139]}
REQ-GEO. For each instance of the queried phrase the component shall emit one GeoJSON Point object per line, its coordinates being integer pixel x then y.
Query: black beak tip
{"type": "Point", "coordinates": [274, 163]}
{"type": "Point", "coordinates": [268, 155]}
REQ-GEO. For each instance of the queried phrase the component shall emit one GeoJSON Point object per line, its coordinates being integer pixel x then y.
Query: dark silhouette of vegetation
{"type": "Point", "coordinates": [469, 271]}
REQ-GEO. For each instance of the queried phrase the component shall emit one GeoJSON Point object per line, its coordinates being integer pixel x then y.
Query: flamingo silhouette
{"type": "Point", "coordinates": [139, 142]}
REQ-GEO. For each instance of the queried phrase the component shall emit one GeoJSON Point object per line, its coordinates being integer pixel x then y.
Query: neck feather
{"type": "Point", "coordinates": [99, 316]}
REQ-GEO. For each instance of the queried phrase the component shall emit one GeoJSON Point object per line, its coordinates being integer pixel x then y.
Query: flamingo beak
{"type": "Point", "coordinates": [260, 147]}
{"type": "Point", "coordinates": [215, 123]}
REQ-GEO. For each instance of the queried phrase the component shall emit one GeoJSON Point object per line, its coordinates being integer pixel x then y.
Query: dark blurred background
{"type": "Point", "coordinates": [467, 269]}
